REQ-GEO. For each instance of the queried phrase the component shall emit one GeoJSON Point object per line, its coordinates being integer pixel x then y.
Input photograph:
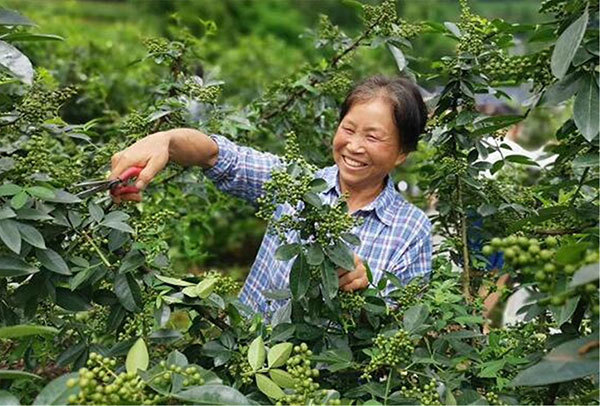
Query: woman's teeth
{"type": "Point", "coordinates": [352, 163]}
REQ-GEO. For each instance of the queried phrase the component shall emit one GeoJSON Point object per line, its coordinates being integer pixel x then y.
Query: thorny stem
{"type": "Point", "coordinates": [98, 251]}
{"type": "Point", "coordinates": [581, 181]}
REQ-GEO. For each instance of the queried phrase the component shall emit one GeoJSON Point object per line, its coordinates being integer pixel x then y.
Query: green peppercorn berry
{"type": "Point", "coordinates": [590, 287]}
{"type": "Point", "coordinates": [557, 300]}
{"type": "Point", "coordinates": [71, 383]}
{"type": "Point", "coordinates": [540, 276]}
{"type": "Point", "coordinates": [487, 250]}
{"type": "Point", "coordinates": [496, 242]}
{"type": "Point", "coordinates": [546, 254]}
{"type": "Point", "coordinates": [549, 267]}
{"type": "Point", "coordinates": [551, 241]}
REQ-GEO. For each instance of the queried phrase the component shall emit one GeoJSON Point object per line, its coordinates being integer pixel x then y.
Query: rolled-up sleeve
{"type": "Point", "coordinates": [241, 171]}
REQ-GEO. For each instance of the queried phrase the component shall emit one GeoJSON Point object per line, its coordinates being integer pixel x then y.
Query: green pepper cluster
{"type": "Point", "coordinates": [391, 351]}
{"type": "Point", "coordinates": [383, 18]}
{"type": "Point", "coordinates": [351, 302]}
{"type": "Point", "coordinates": [40, 103]}
{"type": "Point", "coordinates": [46, 155]}
{"type": "Point", "coordinates": [424, 395]}
{"type": "Point", "coordinates": [306, 390]}
{"type": "Point", "coordinates": [407, 296]}
{"type": "Point", "coordinates": [191, 375]}
{"type": "Point", "coordinates": [475, 31]}
{"type": "Point", "coordinates": [163, 50]}
{"type": "Point", "coordinates": [326, 30]}
{"type": "Point", "coordinates": [135, 123]}
{"type": "Point", "coordinates": [519, 68]}
{"type": "Point", "coordinates": [205, 94]}
{"type": "Point", "coordinates": [225, 285]}
{"type": "Point", "coordinates": [239, 366]}
{"type": "Point", "coordinates": [536, 259]}
{"type": "Point", "coordinates": [337, 85]}
{"type": "Point", "coordinates": [99, 384]}
{"type": "Point", "coordinates": [138, 324]}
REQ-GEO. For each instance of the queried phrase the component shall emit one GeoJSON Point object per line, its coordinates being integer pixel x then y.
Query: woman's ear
{"type": "Point", "coordinates": [401, 158]}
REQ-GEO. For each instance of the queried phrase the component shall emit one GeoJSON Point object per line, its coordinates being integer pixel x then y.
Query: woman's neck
{"type": "Point", "coordinates": [359, 197]}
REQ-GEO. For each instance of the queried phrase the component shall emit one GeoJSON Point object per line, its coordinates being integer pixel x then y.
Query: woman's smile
{"type": "Point", "coordinates": [353, 163]}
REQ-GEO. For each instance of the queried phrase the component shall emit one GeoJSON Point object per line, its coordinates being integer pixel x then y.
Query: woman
{"type": "Point", "coordinates": [380, 122]}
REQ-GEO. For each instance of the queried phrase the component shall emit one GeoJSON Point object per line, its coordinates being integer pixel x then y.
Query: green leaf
{"type": "Point", "coordinates": [7, 399]}
{"type": "Point", "coordinates": [7, 213]}
{"type": "Point", "coordinates": [24, 330]}
{"type": "Point", "coordinates": [453, 29]}
{"type": "Point", "coordinates": [118, 225]}
{"type": "Point", "coordinates": [41, 192]}
{"type": "Point", "coordinates": [563, 313]}
{"type": "Point", "coordinates": [286, 252]}
{"type": "Point", "coordinates": [257, 353]}
{"type": "Point", "coordinates": [282, 378]}
{"type": "Point", "coordinates": [585, 275]}
{"type": "Point", "coordinates": [564, 363]}
{"type": "Point", "coordinates": [318, 185]}
{"type": "Point", "coordinates": [32, 236]}
{"type": "Point", "coordinates": [279, 354]}
{"type": "Point", "coordinates": [268, 387]}
{"type": "Point", "coordinates": [16, 374]}
{"type": "Point", "coordinates": [25, 36]}
{"type": "Point", "coordinates": [15, 266]}
{"type": "Point", "coordinates": [9, 17]}
{"type": "Point", "coordinates": [51, 260]}
{"type": "Point", "coordinates": [128, 292]}
{"type": "Point", "coordinates": [10, 235]}
{"type": "Point", "coordinates": [299, 277]}
{"type": "Point", "coordinates": [521, 159]}
{"type": "Point", "coordinates": [72, 301]}
{"type": "Point", "coordinates": [313, 199]}
{"type": "Point", "coordinates": [57, 392]}
{"type": "Point", "coordinates": [586, 161]}
{"type": "Point", "coordinates": [330, 280]}
{"type": "Point", "coordinates": [314, 254]}
{"type": "Point", "coordinates": [173, 281]}
{"type": "Point", "coordinates": [563, 89]}
{"type": "Point", "coordinates": [398, 57]}
{"type": "Point", "coordinates": [369, 272]}
{"type": "Point", "coordinates": [414, 317]}
{"type": "Point", "coordinates": [9, 189]}
{"type": "Point", "coordinates": [60, 196]}
{"type": "Point", "coordinates": [17, 63]}
{"type": "Point", "coordinates": [570, 254]}
{"type": "Point", "coordinates": [95, 211]}
{"type": "Point", "coordinates": [137, 357]}
{"type": "Point", "coordinates": [206, 287]}
{"type": "Point", "coordinates": [351, 239]}
{"type": "Point", "coordinates": [133, 260]}
{"type": "Point", "coordinates": [340, 254]}
{"type": "Point", "coordinates": [212, 395]}
{"type": "Point", "coordinates": [19, 200]}
{"type": "Point", "coordinates": [585, 109]}
{"type": "Point", "coordinates": [566, 46]}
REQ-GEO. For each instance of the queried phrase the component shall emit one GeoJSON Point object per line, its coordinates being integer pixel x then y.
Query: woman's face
{"type": "Point", "coordinates": [366, 145]}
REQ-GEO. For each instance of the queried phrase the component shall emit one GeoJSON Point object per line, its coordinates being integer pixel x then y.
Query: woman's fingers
{"type": "Point", "coordinates": [154, 165]}
{"type": "Point", "coordinates": [355, 284]}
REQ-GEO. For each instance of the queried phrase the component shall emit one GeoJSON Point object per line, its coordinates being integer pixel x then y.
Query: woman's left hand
{"type": "Point", "coordinates": [355, 279]}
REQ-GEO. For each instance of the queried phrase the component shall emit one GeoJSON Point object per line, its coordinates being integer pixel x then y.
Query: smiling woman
{"type": "Point", "coordinates": [380, 122]}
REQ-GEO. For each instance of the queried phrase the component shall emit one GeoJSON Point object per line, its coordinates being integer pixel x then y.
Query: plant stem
{"type": "Point", "coordinates": [98, 251]}
{"type": "Point", "coordinates": [387, 386]}
{"type": "Point", "coordinates": [581, 181]}
{"type": "Point", "coordinates": [466, 274]}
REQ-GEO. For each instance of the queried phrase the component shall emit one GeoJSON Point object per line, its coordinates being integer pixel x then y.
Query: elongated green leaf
{"type": "Point", "coordinates": [57, 392]}
{"type": "Point", "coordinates": [41, 192]}
{"type": "Point", "coordinates": [24, 36]}
{"type": "Point", "coordinates": [585, 275]}
{"type": "Point", "coordinates": [282, 378]}
{"type": "Point", "coordinates": [257, 353]}
{"type": "Point", "coordinates": [585, 109]}
{"type": "Point", "coordinates": [128, 292]}
{"type": "Point", "coordinates": [60, 196]}
{"type": "Point", "coordinates": [268, 387]}
{"type": "Point", "coordinates": [286, 252]}
{"type": "Point", "coordinates": [72, 301]}
{"type": "Point", "coordinates": [24, 330]}
{"type": "Point", "coordinates": [299, 277]}
{"type": "Point", "coordinates": [137, 357]}
{"type": "Point", "coordinates": [51, 260]}
{"type": "Point", "coordinates": [32, 236]}
{"type": "Point", "coordinates": [566, 46]}
{"type": "Point", "coordinates": [586, 161]}
{"type": "Point", "coordinates": [398, 57]}
{"type": "Point", "coordinates": [279, 354]}
{"type": "Point", "coordinates": [340, 254]}
{"type": "Point", "coordinates": [16, 374]}
{"type": "Point", "coordinates": [15, 266]}
{"type": "Point", "coordinates": [10, 235]}
{"type": "Point", "coordinates": [318, 185]}
{"type": "Point", "coordinates": [330, 280]}
{"type": "Point", "coordinates": [173, 281]}
{"type": "Point", "coordinates": [314, 254]}
{"type": "Point", "coordinates": [414, 317]}
{"type": "Point", "coordinates": [564, 363]}
{"type": "Point", "coordinates": [7, 213]}
{"type": "Point", "coordinates": [17, 63]}
{"type": "Point", "coordinates": [313, 199]}
{"type": "Point", "coordinates": [9, 189]}
{"type": "Point", "coordinates": [212, 395]}
{"type": "Point", "coordinates": [206, 287]}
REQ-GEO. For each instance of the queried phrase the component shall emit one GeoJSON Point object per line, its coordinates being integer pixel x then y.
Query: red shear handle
{"type": "Point", "coordinates": [129, 173]}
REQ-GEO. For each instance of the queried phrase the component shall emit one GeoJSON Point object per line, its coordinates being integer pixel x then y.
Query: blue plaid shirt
{"type": "Point", "coordinates": [395, 235]}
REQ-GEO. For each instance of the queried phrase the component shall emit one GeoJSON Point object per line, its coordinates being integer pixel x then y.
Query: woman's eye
{"type": "Point", "coordinates": [371, 138]}
{"type": "Point", "coordinates": [349, 130]}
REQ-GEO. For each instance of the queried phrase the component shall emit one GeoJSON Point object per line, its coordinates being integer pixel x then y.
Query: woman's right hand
{"type": "Point", "coordinates": [150, 153]}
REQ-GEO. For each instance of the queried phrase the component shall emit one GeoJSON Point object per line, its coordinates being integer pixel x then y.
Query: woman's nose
{"type": "Point", "coordinates": [355, 145]}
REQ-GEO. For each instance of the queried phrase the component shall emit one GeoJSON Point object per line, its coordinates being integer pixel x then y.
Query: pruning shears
{"type": "Point", "coordinates": [117, 187]}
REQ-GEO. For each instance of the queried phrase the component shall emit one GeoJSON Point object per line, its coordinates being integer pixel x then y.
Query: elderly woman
{"type": "Point", "coordinates": [380, 122]}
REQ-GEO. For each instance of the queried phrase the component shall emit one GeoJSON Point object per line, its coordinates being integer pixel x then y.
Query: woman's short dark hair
{"type": "Point", "coordinates": [410, 113]}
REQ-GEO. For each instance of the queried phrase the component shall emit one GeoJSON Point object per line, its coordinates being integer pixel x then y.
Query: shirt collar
{"type": "Point", "coordinates": [382, 205]}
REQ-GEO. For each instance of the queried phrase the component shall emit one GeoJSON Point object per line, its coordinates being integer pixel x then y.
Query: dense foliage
{"type": "Point", "coordinates": [95, 308]}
